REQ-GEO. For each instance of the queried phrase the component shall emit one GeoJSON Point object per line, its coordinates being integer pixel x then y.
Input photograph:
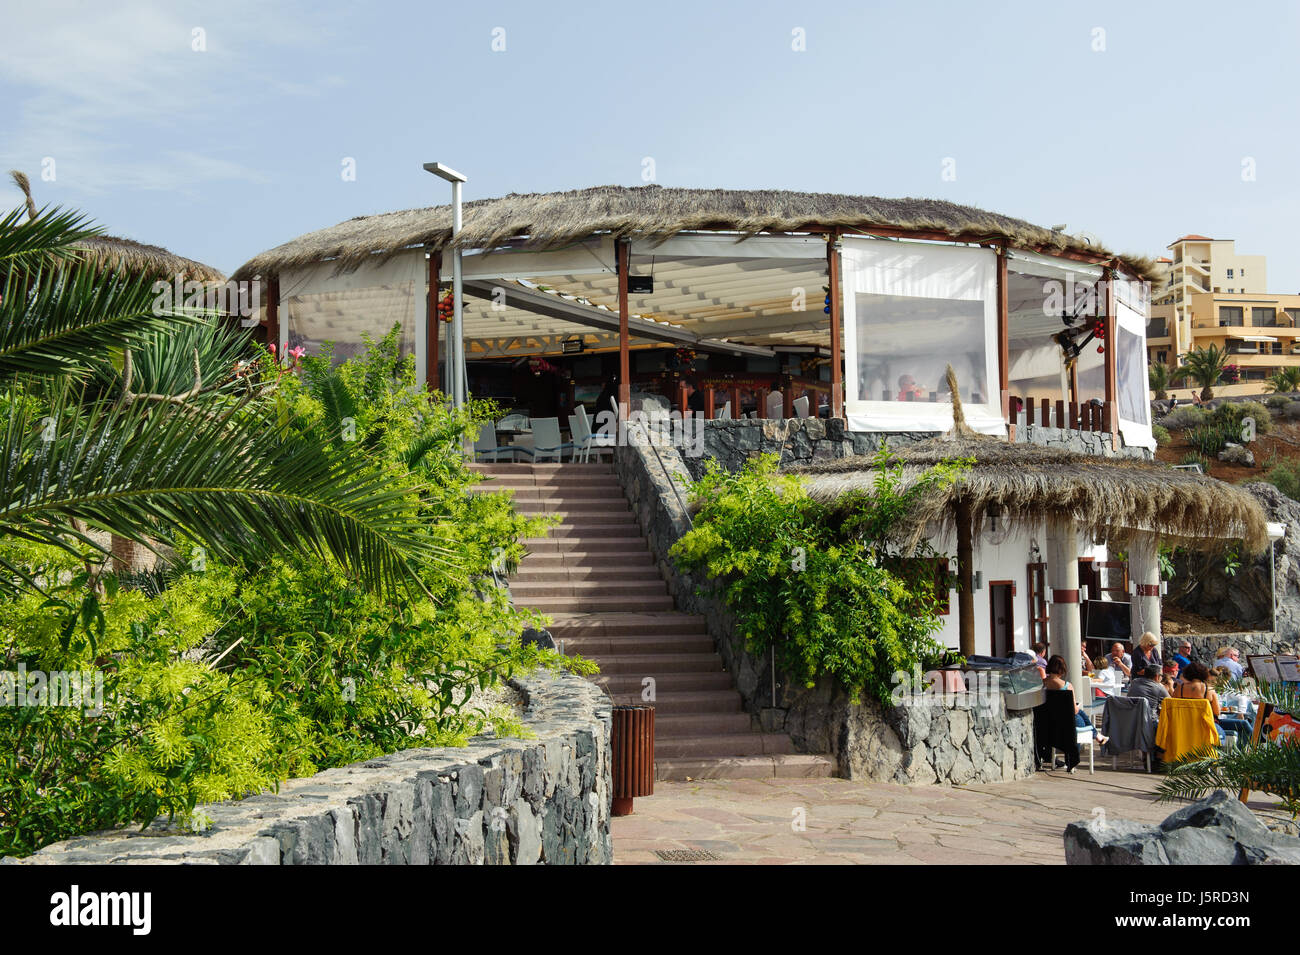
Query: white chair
{"type": "Point", "coordinates": [725, 413]}
{"type": "Point", "coordinates": [1085, 737]}
{"type": "Point", "coordinates": [585, 441]}
{"type": "Point", "coordinates": [486, 445]}
{"type": "Point", "coordinates": [513, 422]}
{"type": "Point", "coordinates": [801, 407]}
{"type": "Point", "coordinates": [774, 406]}
{"type": "Point", "coordinates": [546, 440]}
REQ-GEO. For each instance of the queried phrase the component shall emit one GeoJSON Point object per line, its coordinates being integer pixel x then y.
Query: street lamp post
{"type": "Point", "coordinates": [455, 342]}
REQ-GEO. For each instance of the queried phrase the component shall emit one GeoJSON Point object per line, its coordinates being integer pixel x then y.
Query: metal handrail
{"type": "Point", "coordinates": [673, 484]}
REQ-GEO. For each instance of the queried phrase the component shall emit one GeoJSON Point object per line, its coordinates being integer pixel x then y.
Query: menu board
{"type": "Point", "coordinates": [1274, 726]}
{"type": "Point", "coordinates": [1288, 667]}
{"type": "Point", "coordinates": [1264, 667]}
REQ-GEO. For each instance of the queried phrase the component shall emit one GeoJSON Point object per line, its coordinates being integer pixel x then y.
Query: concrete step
{"type": "Point", "coordinates": [597, 604]}
{"type": "Point", "coordinates": [590, 544]}
{"type": "Point", "coordinates": [603, 493]}
{"type": "Point", "coordinates": [584, 560]}
{"type": "Point", "coordinates": [624, 534]}
{"type": "Point", "coordinates": [526, 590]}
{"type": "Point", "coordinates": [594, 520]}
{"type": "Point", "coordinates": [655, 665]}
{"type": "Point", "coordinates": [604, 646]}
{"type": "Point", "coordinates": [545, 468]}
{"type": "Point", "coordinates": [675, 725]}
{"type": "Point", "coordinates": [692, 701]}
{"type": "Point", "coordinates": [630, 624]}
{"type": "Point", "coordinates": [531, 572]}
{"type": "Point", "coordinates": [791, 766]}
{"type": "Point", "coordinates": [715, 745]}
{"type": "Point", "coordinates": [630, 686]}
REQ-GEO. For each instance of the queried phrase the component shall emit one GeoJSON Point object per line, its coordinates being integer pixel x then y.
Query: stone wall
{"type": "Point", "coordinates": [799, 441]}
{"type": "Point", "coordinates": [946, 742]}
{"type": "Point", "coordinates": [496, 802]}
{"type": "Point", "coordinates": [1204, 645]}
{"type": "Point", "coordinates": [1202, 584]}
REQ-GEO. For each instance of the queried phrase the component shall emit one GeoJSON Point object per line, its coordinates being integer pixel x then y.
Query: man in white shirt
{"type": "Point", "coordinates": [1120, 660]}
{"type": "Point", "coordinates": [1230, 659]}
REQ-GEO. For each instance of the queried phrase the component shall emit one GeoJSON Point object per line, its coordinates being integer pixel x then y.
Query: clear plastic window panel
{"type": "Point", "coordinates": [904, 344]}
{"type": "Point", "coordinates": [1130, 360]}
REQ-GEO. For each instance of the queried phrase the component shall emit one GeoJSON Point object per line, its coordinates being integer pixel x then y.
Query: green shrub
{"type": "Point", "coordinates": [1182, 418]}
{"type": "Point", "coordinates": [815, 583]}
{"type": "Point", "coordinates": [1285, 476]}
{"type": "Point", "coordinates": [1161, 434]}
{"type": "Point", "coordinates": [1230, 414]}
{"type": "Point", "coordinates": [1209, 439]}
{"type": "Point", "coordinates": [1200, 459]}
{"type": "Point", "coordinates": [1276, 402]}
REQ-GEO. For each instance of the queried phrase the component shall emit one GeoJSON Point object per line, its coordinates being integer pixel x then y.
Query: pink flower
{"type": "Point", "coordinates": [297, 352]}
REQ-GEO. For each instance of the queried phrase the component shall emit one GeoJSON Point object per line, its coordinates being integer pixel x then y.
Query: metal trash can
{"type": "Point", "coordinates": [632, 752]}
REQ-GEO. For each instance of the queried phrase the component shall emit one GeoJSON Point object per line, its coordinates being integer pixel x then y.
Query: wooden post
{"type": "Point", "coordinates": [1112, 423]}
{"type": "Point", "coordinates": [624, 362]}
{"type": "Point", "coordinates": [273, 314]}
{"type": "Point", "coordinates": [1074, 416]}
{"type": "Point", "coordinates": [735, 401]}
{"type": "Point", "coordinates": [708, 403]}
{"type": "Point", "coordinates": [1004, 347]}
{"type": "Point", "coordinates": [1046, 413]}
{"type": "Point", "coordinates": [1060, 414]}
{"type": "Point", "coordinates": [1074, 381]}
{"type": "Point", "coordinates": [965, 579]}
{"type": "Point", "coordinates": [787, 399]}
{"type": "Point", "coordinates": [432, 380]}
{"type": "Point", "coordinates": [837, 358]}
{"type": "Point", "coordinates": [681, 398]}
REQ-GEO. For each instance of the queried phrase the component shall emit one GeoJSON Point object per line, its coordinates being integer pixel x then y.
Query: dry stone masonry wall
{"type": "Point", "coordinates": [496, 802]}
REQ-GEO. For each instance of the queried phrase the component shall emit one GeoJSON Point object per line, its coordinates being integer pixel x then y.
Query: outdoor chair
{"type": "Point", "coordinates": [1054, 728]}
{"type": "Point", "coordinates": [486, 445]}
{"type": "Point", "coordinates": [513, 422]}
{"type": "Point", "coordinates": [725, 413]}
{"type": "Point", "coordinates": [1185, 727]}
{"type": "Point", "coordinates": [585, 442]}
{"type": "Point", "coordinates": [801, 407]}
{"type": "Point", "coordinates": [546, 440]}
{"type": "Point", "coordinates": [1130, 724]}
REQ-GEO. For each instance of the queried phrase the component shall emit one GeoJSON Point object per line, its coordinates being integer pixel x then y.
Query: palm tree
{"type": "Point", "coordinates": [1285, 380]}
{"type": "Point", "coordinates": [1272, 767]}
{"type": "Point", "coordinates": [100, 437]}
{"type": "Point", "coordinates": [1158, 374]}
{"type": "Point", "coordinates": [1204, 366]}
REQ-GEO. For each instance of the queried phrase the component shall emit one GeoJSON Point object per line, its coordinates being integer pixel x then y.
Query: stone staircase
{"type": "Point", "coordinates": [595, 577]}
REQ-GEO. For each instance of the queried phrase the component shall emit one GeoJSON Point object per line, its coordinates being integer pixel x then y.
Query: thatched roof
{"type": "Point", "coordinates": [136, 257]}
{"type": "Point", "coordinates": [1108, 497]}
{"type": "Point", "coordinates": [557, 218]}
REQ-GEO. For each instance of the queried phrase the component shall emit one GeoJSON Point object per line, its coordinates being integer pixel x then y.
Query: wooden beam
{"type": "Point", "coordinates": [1112, 423]}
{"type": "Point", "coordinates": [965, 579]}
{"type": "Point", "coordinates": [1004, 346]}
{"type": "Point", "coordinates": [624, 361]}
{"type": "Point", "coordinates": [837, 359]}
{"type": "Point", "coordinates": [432, 380]}
{"type": "Point", "coordinates": [273, 313]}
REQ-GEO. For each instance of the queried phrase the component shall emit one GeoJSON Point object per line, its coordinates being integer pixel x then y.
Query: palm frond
{"type": "Point", "coordinates": [1264, 767]}
{"type": "Point", "coordinates": [231, 479]}
{"type": "Point", "coordinates": [52, 235]}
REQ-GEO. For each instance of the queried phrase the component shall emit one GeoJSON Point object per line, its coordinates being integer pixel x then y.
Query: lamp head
{"type": "Point", "coordinates": [444, 172]}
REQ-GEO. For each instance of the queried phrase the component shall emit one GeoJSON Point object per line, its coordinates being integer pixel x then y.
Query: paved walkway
{"type": "Point", "coordinates": [752, 821]}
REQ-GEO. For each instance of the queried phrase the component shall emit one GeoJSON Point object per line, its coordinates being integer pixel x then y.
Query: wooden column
{"type": "Point", "coordinates": [735, 401]}
{"type": "Point", "coordinates": [1004, 347]}
{"type": "Point", "coordinates": [1112, 424]}
{"type": "Point", "coordinates": [709, 406]}
{"type": "Point", "coordinates": [965, 579]}
{"type": "Point", "coordinates": [787, 400]}
{"type": "Point", "coordinates": [273, 314]}
{"type": "Point", "coordinates": [432, 380]}
{"type": "Point", "coordinates": [624, 361]}
{"type": "Point", "coordinates": [681, 398]}
{"type": "Point", "coordinates": [837, 358]}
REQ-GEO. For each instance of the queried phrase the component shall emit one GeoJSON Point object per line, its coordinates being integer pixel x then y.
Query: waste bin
{"type": "Point", "coordinates": [632, 746]}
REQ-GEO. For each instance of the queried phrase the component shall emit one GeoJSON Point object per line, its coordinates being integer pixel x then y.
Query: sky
{"type": "Point", "coordinates": [221, 129]}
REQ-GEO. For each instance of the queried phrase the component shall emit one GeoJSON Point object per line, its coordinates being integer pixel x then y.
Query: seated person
{"type": "Point", "coordinates": [1183, 657]}
{"type": "Point", "coordinates": [1197, 685]}
{"type": "Point", "coordinates": [1230, 659]}
{"type": "Point", "coordinates": [1146, 685]}
{"type": "Point", "coordinates": [1168, 675]}
{"type": "Point", "coordinates": [1056, 681]}
{"type": "Point", "coordinates": [1087, 664]}
{"type": "Point", "coordinates": [1147, 653]}
{"type": "Point", "coordinates": [1039, 651]}
{"type": "Point", "coordinates": [909, 390]}
{"type": "Point", "coordinates": [1120, 660]}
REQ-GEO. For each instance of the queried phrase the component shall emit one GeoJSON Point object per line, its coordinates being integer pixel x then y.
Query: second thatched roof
{"type": "Point", "coordinates": [555, 219]}
{"type": "Point", "coordinates": [140, 259]}
{"type": "Point", "coordinates": [1108, 497]}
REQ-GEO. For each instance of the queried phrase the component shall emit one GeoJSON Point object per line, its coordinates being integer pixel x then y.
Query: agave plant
{"type": "Point", "coordinates": [1204, 366]}
{"type": "Point", "coordinates": [1272, 767]}
{"type": "Point", "coordinates": [149, 425]}
{"type": "Point", "coordinates": [1284, 380]}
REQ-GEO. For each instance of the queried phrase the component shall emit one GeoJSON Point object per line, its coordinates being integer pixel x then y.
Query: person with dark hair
{"type": "Point", "coordinates": [1197, 685]}
{"type": "Point", "coordinates": [694, 396]}
{"type": "Point", "coordinates": [1146, 685]}
{"type": "Point", "coordinates": [1039, 650]}
{"type": "Point", "coordinates": [608, 396]}
{"type": "Point", "coordinates": [1056, 680]}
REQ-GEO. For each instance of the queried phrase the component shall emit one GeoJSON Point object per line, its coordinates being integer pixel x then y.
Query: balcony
{"type": "Point", "coordinates": [1157, 328]}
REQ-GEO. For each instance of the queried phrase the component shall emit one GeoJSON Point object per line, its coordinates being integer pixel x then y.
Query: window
{"type": "Point", "coordinates": [1263, 317]}
{"type": "Point", "coordinates": [1232, 291]}
{"type": "Point", "coordinates": [1294, 315]}
{"type": "Point", "coordinates": [923, 571]}
{"type": "Point", "coordinates": [1231, 315]}
{"type": "Point", "coordinates": [1230, 275]}
{"type": "Point", "coordinates": [1037, 594]}
{"type": "Point", "coordinates": [1242, 272]}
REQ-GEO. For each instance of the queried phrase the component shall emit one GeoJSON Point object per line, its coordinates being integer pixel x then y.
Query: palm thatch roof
{"type": "Point", "coordinates": [555, 219]}
{"type": "Point", "coordinates": [1108, 497]}
{"type": "Point", "coordinates": [137, 258]}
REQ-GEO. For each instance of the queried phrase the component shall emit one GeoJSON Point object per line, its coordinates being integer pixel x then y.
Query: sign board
{"type": "Point", "coordinates": [1264, 667]}
{"type": "Point", "coordinates": [1273, 726]}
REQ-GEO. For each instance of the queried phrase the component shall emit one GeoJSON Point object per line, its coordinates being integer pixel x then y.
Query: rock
{"type": "Point", "coordinates": [1100, 842]}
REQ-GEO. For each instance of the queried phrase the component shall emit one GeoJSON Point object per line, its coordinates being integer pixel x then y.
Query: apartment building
{"type": "Point", "coordinates": [1205, 294]}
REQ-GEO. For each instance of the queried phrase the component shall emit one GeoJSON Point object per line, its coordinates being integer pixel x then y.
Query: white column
{"type": "Point", "coordinates": [1144, 576]}
{"type": "Point", "coordinates": [456, 343]}
{"type": "Point", "coordinates": [1063, 579]}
